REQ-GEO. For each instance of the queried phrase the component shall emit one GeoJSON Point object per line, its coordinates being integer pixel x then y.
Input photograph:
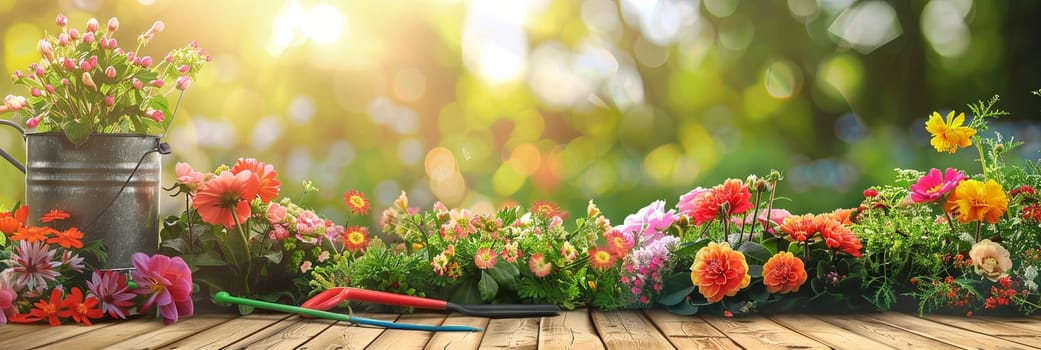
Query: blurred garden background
{"type": "Point", "coordinates": [476, 103]}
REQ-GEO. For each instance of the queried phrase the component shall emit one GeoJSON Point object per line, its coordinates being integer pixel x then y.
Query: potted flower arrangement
{"type": "Point", "coordinates": [44, 277]}
{"type": "Point", "coordinates": [95, 112]}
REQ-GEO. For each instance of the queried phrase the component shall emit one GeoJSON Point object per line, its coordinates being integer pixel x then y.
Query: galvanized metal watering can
{"type": "Point", "coordinates": [110, 186]}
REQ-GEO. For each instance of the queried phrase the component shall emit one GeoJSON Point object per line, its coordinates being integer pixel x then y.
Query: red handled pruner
{"type": "Point", "coordinates": [334, 296]}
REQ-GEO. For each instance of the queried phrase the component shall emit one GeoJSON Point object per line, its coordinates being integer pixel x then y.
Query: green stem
{"type": "Point", "coordinates": [950, 222]}
{"type": "Point", "coordinates": [983, 160]}
{"type": "Point", "coordinates": [979, 225]}
{"type": "Point", "coordinates": [249, 255]}
{"type": "Point", "coordinates": [755, 216]}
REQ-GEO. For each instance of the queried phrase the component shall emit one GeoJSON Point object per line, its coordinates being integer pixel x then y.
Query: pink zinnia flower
{"type": "Point", "coordinates": [539, 266]}
{"type": "Point", "coordinates": [189, 177]}
{"type": "Point", "coordinates": [932, 186]}
{"type": "Point", "coordinates": [32, 265]}
{"type": "Point", "coordinates": [110, 288]}
{"type": "Point", "coordinates": [485, 258]}
{"type": "Point", "coordinates": [167, 282]}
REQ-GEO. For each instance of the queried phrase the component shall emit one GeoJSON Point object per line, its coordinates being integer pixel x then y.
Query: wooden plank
{"type": "Point", "coordinates": [43, 334]}
{"type": "Point", "coordinates": [944, 333]}
{"type": "Point", "coordinates": [827, 333]}
{"type": "Point", "coordinates": [106, 336]}
{"type": "Point", "coordinates": [346, 336]}
{"type": "Point", "coordinates": [459, 340]}
{"type": "Point", "coordinates": [17, 329]}
{"type": "Point", "coordinates": [569, 330]}
{"type": "Point", "coordinates": [989, 326]}
{"type": "Point", "coordinates": [397, 339]}
{"type": "Point", "coordinates": [511, 333]}
{"type": "Point", "coordinates": [273, 330]}
{"type": "Point", "coordinates": [757, 332]}
{"type": "Point", "coordinates": [685, 332]}
{"type": "Point", "coordinates": [229, 332]}
{"type": "Point", "coordinates": [169, 334]}
{"type": "Point", "coordinates": [293, 336]}
{"type": "Point", "coordinates": [882, 332]}
{"type": "Point", "coordinates": [628, 330]}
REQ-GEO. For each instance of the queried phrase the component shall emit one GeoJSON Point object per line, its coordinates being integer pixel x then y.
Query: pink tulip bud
{"type": "Point", "coordinates": [65, 81]}
{"type": "Point", "coordinates": [45, 48]}
{"type": "Point", "coordinates": [168, 58]}
{"type": "Point", "coordinates": [92, 25]}
{"type": "Point", "coordinates": [110, 72]}
{"type": "Point", "coordinates": [50, 88]}
{"type": "Point", "coordinates": [32, 122]}
{"type": "Point", "coordinates": [18, 74]}
{"type": "Point", "coordinates": [88, 38]}
{"type": "Point", "coordinates": [146, 61]}
{"type": "Point", "coordinates": [69, 64]}
{"type": "Point", "coordinates": [157, 83]}
{"type": "Point", "coordinates": [118, 51]}
{"type": "Point", "coordinates": [113, 24]}
{"type": "Point", "coordinates": [137, 84]}
{"type": "Point", "coordinates": [209, 58]}
{"type": "Point", "coordinates": [112, 43]}
{"type": "Point", "coordinates": [183, 82]}
{"type": "Point", "coordinates": [183, 68]}
{"type": "Point", "coordinates": [74, 34]}
{"type": "Point", "coordinates": [35, 92]}
{"type": "Point", "coordinates": [157, 115]}
{"type": "Point", "coordinates": [109, 100]}
{"type": "Point", "coordinates": [195, 44]}
{"type": "Point", "coordinates": [85, 66]}
{"type": "Point", "coordinates": [14, 103]}
{"type": "Point", "coordinates": [93, 61]}
{"type": "Point", "coordinates": [131, 58]}
{"type": "Point", "coordinates": [61, 20]}
{"type": "Point", "coordinates": [88, 80]}
{"type": "Point", "coordinates": [39, 71]}
{"type": "Point", "coordinates": [157, 27]}
{"type": "Point", "coordinates": [63, 39]}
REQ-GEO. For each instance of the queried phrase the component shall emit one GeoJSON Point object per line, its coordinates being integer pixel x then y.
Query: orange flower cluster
{"type": "Point", "coordinates": [833, 228]}
{"type": "Point", "coordinates": [974, 201]}
{"type": "Point", "coordinates": [783, 273]}
{"type": "Point", "coordinates": [731, 197]}
{"type": "Point", "coordinates": [13, 224]}
{"type": "Point", "coordinates": [719, 271]}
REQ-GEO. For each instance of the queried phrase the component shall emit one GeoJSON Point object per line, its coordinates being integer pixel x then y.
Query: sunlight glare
{"type": "Point", "coordinates": [324, 24]}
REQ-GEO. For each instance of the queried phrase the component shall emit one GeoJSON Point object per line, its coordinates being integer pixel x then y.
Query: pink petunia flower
{"type": "Point", "coordinates": [7, 296]}
{"type": "Point", "coordinates": [933, 186]}
{"type": "Point", "coordinates": [111, 289]}
{"type": "Point", "coordinates": [167, 282]}
{"type": "Point", "coordinates": [189, 177]}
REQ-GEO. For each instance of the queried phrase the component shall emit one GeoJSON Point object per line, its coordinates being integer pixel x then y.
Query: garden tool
{"type": "Point", "coordinates": [334, 296]}
{"type": "Point", "coordinates": [223, 297]}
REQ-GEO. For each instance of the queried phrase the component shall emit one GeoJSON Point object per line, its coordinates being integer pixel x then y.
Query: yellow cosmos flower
{"type": "Point", "coordinates": [973, 201]}
{"type": "Point", "coordinates": [948, 133]}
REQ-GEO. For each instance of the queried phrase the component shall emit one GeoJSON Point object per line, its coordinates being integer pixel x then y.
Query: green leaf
{"type": "Point", "coordinates": [755, 271]}
{"type": "Point", "coordinates": [505, 273]}
{"type": "Point", "coordinates": [487, 287]}
{"type": "Point", "coordinates": [754, 252]}
{"type": "Point", "coordinates": [675, 289]}
{"type": "Point", "coordinates": [692, 248]}
{"type": "Point", "coordinates": [78, 130]}
{"type": "Point", "coordinates": [208, 258]}
{"type": "Point", "coordinates": [684, 309]}
{"type": "Point", "coordinates": [275, 257]}
{"type": "Point", "coordinates": [466, 294]}
{"type": "Point", "coordinates": [758, 293]}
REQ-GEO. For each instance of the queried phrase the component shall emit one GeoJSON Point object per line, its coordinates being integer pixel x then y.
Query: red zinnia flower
{"type": "Point", "coordinates": [54, 215]}
{"type": "Point", "coordinates": [227, 191]}
{"type": "Point", "coordinates": [731, 197]}
{"type": "Point", "coordinates": [617, 245]}
{"type": "Point", "coordinates": [50, 310]}
{"type": "Point", "coordinates": [547, 209]}
{"type": "Point", "coordinates": [32, 234]}
{"type": "Point", "coordinates": [81, 310]}
{"type": "Point", "coordinates": [355, 238]}
{"type": "Point", "coordinates": [70, 238]}
{"type": "Point", "coordinates": [356, 201]}
{"type": "Point", "coordinates": [265, 173]}
{"type": "Point", "coordinates": [601, 259]}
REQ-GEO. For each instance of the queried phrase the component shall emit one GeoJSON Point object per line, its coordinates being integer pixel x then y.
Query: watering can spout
{"type": "Point", "coordinates": [8, 156]}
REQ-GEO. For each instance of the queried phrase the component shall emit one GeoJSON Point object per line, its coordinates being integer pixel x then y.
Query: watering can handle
{"type": "Point", "coordinates": [8, 156]}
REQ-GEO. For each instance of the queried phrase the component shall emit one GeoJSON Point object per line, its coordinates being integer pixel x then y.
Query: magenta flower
{"type": "Point", "coordinates": [167, 282]}
{"type": "Point", "coordinates": [110, 288]}
{"type": "Point", "coordinates": [32, 265]}
{"type": "Point", "coordinates": [932, 186]}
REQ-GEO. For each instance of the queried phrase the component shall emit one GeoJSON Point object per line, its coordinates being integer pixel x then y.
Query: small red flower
{"type": "Point", "coordinates": [53, 215]}
{"type": "Point", "coordinates": [81, 310]}
{"type": "Point", "coordinates": [71, 238]}
{"type": "Point", "coordinates": [356, 201]}
{"type": "Point", "coordinates": [355, 238]}
{"type": "Point", "coordinates": [52, 310]}
{"type": "Point", "coordinates": [870, 193]}
{"type": "Point", "coordinates": [547, 209]}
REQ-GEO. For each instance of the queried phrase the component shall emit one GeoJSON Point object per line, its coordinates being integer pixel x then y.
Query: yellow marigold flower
{"type": "Point", "coordinates": [973, 201]}
{"type": "Point", "coordinates": [719, 271]}
{"type": "Point", "coordinates": [948, 134]}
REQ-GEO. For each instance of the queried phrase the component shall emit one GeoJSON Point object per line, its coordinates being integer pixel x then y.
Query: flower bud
{"type": "Point", "coordinates": [109, 100]}
{"type": "Point", "coordinates": [74, 34]}
{"type": "Point", "coordinates": [870, 193]}
{"type": "Point", "coordinates": [999, 147]}
{"type": "Point", "coordinates": [592, 210]}
{"type": "Point", "coordinates": [35, 92]}
{"type": "Point", "coordinates": [761, 185]}
{"type": "Point", "coordinates": [61, 21]}
{"type": "Point", "coordinates": [88, 80]}
{"type": "Point", "coordinates": [131, 58]}
{"type": "Point", "coordinates": [183, 68]}
{"type": "Point", "coordinates": [157, 27]}
{"type": "Point", "coordinates": [32, 122]}
{"type": "Point", "coordinates": [88, 38]}
{"type": "Point", "coordinates": [14, 103]}
{"type": "Point", "coordinates": [157, 83]}
{"type": "Point", "coordinates": [183, 82]}
{"type": "Point", "coordinates": [156, 115]}
{"type": "Point", "coordinates": [93, 61]}
{"type": "Point", "coordinates": [113, 24]}
{"type": "Point", "coordinates": [63, 39]}
{"type": "Point", "coordinates": [168, 58]}
{"type": "Point", "coordinates": [65, 81]}
{"type": "Point", "coordinates": [146, 61]}
{"type": "Point", "coordinates": [69, 64]}
{"type": "Point", "coordinates": [85, 66]}
{"type": "Point", "coordinates": [45, 48]}
{"type": "Point", "coordinates": [118, 51]}
{"type": "Point", "coordinates": [209, 58]}
{"type": "Point", "coordinates": [50, 88]}
{"type": "Point", "coordinates": [110, 72]}
{"type": "Point", "coordinates": [39, 71]}
{"type": "Point", "coordinates": [18, 74]}
{"type": "Point", "coordinates": [137, 84]}
{"type": "Point", "coordinates": [93, 25]}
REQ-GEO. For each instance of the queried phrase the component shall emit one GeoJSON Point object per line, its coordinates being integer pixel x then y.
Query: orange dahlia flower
{"type": "Point", "coordinates": [783, 273]}
{"type": "Point", "coordinates": [800, 227]}
{"type": "Point", "coordinates": [973, 200]}
{"type": "Point", "coordinates": [719, 271]}
{"type": "Point", "coordinates": [218, 197]}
